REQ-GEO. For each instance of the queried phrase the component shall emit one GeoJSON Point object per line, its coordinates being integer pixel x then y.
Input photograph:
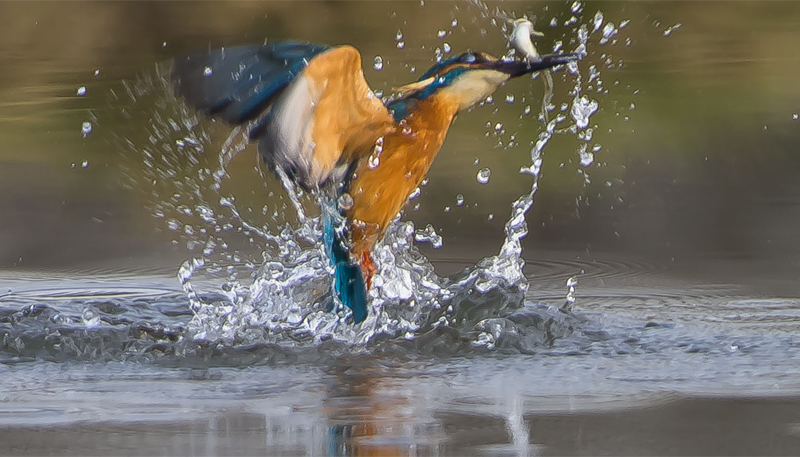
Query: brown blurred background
{"type": "Point", "coordinates": [699, 149]}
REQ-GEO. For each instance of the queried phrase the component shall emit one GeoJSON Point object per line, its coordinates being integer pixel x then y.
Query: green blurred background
{"type": "Point", "coordinates": [698, 131]}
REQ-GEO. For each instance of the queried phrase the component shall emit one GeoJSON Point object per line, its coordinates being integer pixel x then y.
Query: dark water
{"type": "Point", "coordinates": [684, 334]}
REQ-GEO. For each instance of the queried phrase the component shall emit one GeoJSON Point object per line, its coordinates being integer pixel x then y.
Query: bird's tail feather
{"type": "Point", "coordinates": [348, 281]}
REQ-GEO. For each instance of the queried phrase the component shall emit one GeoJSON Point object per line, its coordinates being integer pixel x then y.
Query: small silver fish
{"type": "Point", "coordinates": [520, 39]}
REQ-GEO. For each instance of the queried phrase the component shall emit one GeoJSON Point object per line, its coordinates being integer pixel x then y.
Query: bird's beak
{"type": "Point", "coordinates": [518, 68]}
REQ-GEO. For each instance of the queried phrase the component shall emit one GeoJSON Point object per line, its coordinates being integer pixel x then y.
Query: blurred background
{"type": "Point", "coordinates": [697, 129]}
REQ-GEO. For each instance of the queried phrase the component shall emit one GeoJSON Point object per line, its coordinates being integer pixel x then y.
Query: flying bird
{"type": "Point", "coordinates": [318, 123]}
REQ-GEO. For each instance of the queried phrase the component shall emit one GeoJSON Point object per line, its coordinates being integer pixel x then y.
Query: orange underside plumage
{"type": "Point", "coordinates": [380, 192]}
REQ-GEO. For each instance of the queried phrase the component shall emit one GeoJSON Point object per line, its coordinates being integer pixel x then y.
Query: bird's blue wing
{"type": "Point", "coordinates": [240, 82]}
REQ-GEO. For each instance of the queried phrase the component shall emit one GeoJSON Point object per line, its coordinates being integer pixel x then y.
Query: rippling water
{"type": "Point", "coordinates": [480, 349]}
{"type": "Point", "coordinates": [116, 353]}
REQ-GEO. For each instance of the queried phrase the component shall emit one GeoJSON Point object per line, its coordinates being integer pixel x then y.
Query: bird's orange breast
{"type": "Point", "coordinates": [382, 184]}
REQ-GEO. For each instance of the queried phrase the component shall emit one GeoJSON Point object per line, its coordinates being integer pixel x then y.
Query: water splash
{"type": "Point", "coordinates": [282, 296]}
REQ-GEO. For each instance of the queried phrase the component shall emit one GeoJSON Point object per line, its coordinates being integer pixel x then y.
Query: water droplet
{"type": "Point", "coordinates": [454, 23]}
{"type": "Point", "coordinates": [414, 194]}
{"type": "Point", "coordinates": [85, 164]}
{"type": "Point", "coordinates": [399, 36]}
{"type": "Point", "coordinates": [429, 235]}
{"type": "Point", "coordinates": [586, 157]}
{"type": "Point", "coordinates": [446, 209]}
{"type": "Point", "coordinates": [598, 21]}
{"type": "Point", "coordinates": [527, 110]}
{"type": "Point", "coordinates": [509, 98]}
{"type": "Point", "coordinates": [632, 107]}
{"type": "Point", "coordinates": [669, 30]}
{"type": "Point", "coordinates": [576, 6]}
{"type": "Point", "coordinates": [374, 161]}
{"type": "Point", "coordinates": [207, 71]}
{"type": "Point", "coordinates": [446, 48]}
{"type": "Point", "coordinates": [164, 44]}
{"type": "Point", "coordinates": [81, 91]}
{"type": "Point", "coordinates": [86, 128]}
{"type": "Point", "coordinates": [609, 30]}
{"type": "Point", "coordinates": [795, 116]}
{"type": "Point", "coordinates": [490, 217]}
{"type": "Point", "coordinates": [90, 318]}
{"type": "Point", "coordinates": [554, 23]}
{"type": "Point", "coordinates": [97, 73]}
{"type": "Point", "coordinates": [483, 175]}
{"type": "Point", "coordinates": [624, 23]}
{"type": "Point", "coordinates": [582, 110]}
{"type": "Point", "coordinates": [441, 34]}
{"type": "Point", "coordinates": [401, 44]}
{"type": "Point", "coordinates": [345, 202]}
{"type": "Point", "coordinates": [498, 127]}
{"type": "Point", "coordinates": [459, 200]}
{"type": "Point", "coordinates": [377, 64]}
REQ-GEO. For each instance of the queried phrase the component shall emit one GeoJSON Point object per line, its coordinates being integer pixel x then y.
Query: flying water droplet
{"type": "Point", "coordinates": [454, 23]}
{"type": "Point", "coordinates": [81, 91]}
{"type": "Point", "coordinates": [459, 200]}
{"type": "Point", "coordinates": [90, 318]}
{"type": "Point", "coordinates": [572, 283]}
{"type": "Point", "coordinates": [598, 21]}
{"type": "Point", "coordinates": [374, 161]}
{"type": "Point", "coordinates": [401, 44]}
{"type": "Point", "coordinates": [586, 157]}
{"type": "Point", "coordinates": [509, 98]}
{"type": "Point", "coordinates": [669, 30]}
{"type": "Point", "coordinates": [345, 202]}
{"type": "Point", "coordinates": [377, 64]}
{"type": "Point", "coordinates": [490, 217]}
{"type": "Point", "coordinates": [483, 175]}
{"type": "Point", "coordinates": [86, 128]}
{"type": "Point", "coordinates": [441, 33]}
{"type": "Point", "coordinates": [446, 47]}
{"type": "Point", "coordinates": [609, 30]}
{"type": "Point", "coordinates": [399, 36]}
{"type": "Point", "coordinates": [429, 235]}
{"type": "Point", "coordinates": [85, 164]}
{"type": "Point", "coordinates": [582, 110]}
{"type": "Point", "coordinates": [207, 71]}
{"type": "Point", "coordinates": [624, 23]}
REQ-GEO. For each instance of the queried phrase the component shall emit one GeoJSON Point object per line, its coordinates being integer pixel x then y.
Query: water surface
{"type": "Point", "coordinates": [681, 337]}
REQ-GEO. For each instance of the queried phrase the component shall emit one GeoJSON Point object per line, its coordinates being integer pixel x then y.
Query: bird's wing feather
{"type": "Point", "coordinates": [328, 117]}
{"type": "Point", "coordinates": [239, 83]}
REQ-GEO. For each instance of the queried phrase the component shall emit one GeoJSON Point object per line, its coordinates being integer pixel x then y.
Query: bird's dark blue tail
{"type": "Point", "coordinates": [348, 281]}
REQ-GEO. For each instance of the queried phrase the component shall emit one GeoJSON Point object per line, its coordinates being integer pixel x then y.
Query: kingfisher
{"type": "Point", "coordinates": [318, 123]}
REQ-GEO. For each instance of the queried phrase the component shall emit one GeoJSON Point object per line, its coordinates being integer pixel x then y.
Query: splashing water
{"type": "Point", "coordinates": [282, 297]}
